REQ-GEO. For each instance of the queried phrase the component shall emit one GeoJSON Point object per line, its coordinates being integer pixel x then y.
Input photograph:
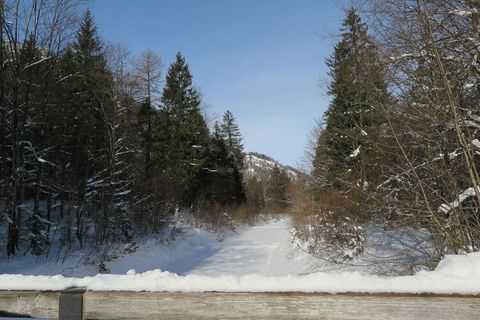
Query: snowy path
{"type": "Point", "coordinates": [249, 251]}
{"type": "Point", "coordinates": [262, 249]}
{"type": "Point", "coordinates": [265, 248]}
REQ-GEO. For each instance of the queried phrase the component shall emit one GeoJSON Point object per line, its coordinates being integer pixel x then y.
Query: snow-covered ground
{"type": "Point", "coordinates": [265, 248]}
{"type": "Point", "coordinates": [256, 258]}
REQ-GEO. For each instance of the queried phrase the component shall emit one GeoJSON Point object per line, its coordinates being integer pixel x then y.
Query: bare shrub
{"type": "Point", "coordinates": [332, 230]}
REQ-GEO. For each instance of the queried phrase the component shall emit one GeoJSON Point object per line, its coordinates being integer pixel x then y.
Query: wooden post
{"type": "Point", "coordinates": [71, 304]}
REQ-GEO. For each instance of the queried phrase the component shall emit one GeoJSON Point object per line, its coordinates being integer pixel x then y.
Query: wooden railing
{"type": "Point", "coordinates": [76, 305]}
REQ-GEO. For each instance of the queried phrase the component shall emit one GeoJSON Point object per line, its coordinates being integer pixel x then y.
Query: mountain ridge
{"type": "Point", "coordinates": [260, 166]}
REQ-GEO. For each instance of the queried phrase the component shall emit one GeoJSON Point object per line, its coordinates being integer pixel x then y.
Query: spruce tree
{"type": "Point", "coordinates": [85, 106]}
{"type": "Point", "coordinates": [224, 176]}
{"type": "Point", "coordinates": [145, 119]}
{"type": "Point", "coordinates": [83, 76]}
{"type": "Point", "coordinates": [184, 154]}
{"type": "Point", "coordinates": [218, 170]}
{"type": "Point", "coordinates": [233, 138]}
{"type": "Point", "coordinates": [353, 117]}
{"type": "Point", "coordinates": [277, 188]}
{"type": "Point", "coordinates": [35, 92]}
{"type": "Point", "coordinates": [255, 193]}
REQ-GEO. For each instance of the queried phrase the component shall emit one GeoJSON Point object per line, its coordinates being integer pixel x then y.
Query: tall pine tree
{"type": "Point", "coordinates": [223, 176]}
{"type": "Point", "coordinates": [85, 105]}
{"type": "Point", "coordinates": [233, 138]}
{"type": "Point", "coordinates": [182, 147]}
{"type": "Point", "coordinates": [353, 118]}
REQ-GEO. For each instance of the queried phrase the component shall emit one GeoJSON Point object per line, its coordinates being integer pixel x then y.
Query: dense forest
{"type": "Point", "coordinates": [95, 147]}
{"type": "Point", "coordinates": [399, 144]}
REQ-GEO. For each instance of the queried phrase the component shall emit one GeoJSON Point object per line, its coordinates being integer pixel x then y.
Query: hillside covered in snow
{"type": "Point", "coordinates": [260, 166]}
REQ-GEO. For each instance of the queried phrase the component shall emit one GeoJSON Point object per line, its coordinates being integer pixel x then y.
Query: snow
{"type": "Point", "coordinates": [260, 166]}
{"type": "Point", "coordinates": [463, 13]}
{"type": "Point", "coordinates": [455, 274]}
{"type": "Point", "coordinates": [476, 143]}
{"type": "Point", "coordinates": [264, 248]}
{"type": "Point", "coordinates": [355, 153]}
{"type": "Point", "coordinates": [467, 193]}
{"type": "Point", "coordinates": [257, 258]}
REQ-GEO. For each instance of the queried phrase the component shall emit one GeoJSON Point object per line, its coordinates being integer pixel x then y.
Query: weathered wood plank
{"type": "Point", "coordinates": [278, 306]}
{"type": "Point", "coordinates": [29, 303]}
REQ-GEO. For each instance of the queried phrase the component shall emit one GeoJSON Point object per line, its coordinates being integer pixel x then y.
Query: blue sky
{"type": "Point", "coordinates": [261, 59]}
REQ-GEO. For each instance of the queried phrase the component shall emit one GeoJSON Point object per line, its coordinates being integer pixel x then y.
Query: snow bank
{"type": "Point", "coordinates": [454, 275]}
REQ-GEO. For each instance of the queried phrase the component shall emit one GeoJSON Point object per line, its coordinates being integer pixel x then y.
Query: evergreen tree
{"type": "Point", "coordinates": [224, 178]}
{"type": "Point", "coordinates": [35, 90]}
{"type": "Point", "coordinates": [277, 188]}
{"type": "Point", "coordinates": [233, 139]}
{"type": "Point", "coordinates": [85, 106]}
{"type": "Point", "coordinates": [184, 154]}
{"type": "Point", "coordinates": [145, 119]}
{"type": "Point", "coordinates": [255, 194]}
{"type": "Point", "coordinates": [23, 94]}
{"type": "Point", "coordinates": [218, 170]}
{"type": "Point", "coordinates": [353, 117]}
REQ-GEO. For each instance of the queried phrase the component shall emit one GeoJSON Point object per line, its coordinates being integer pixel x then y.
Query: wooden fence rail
{"type": "Point", "coordinates": [218, 305]}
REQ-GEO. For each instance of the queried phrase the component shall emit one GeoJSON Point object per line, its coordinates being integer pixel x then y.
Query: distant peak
{"type": "Point", "coordinates": [260, 166]}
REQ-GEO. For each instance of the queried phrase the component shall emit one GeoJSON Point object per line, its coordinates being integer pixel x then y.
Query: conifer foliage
{"type": "Point", "coordinates": [93, 150]}
{"type": "Point", "coordinates": [184, 141]}
{"type": "Point", "coordinates": [353, 118]}
{"type": "Point", "coordinates": [406, 157]}
{"type": "Point", "coordinates": [277, 189]}
{"type": "Point", "coordinates": [346, 161]}
{"type": "Point", "coordinates": [225, 162]}
{"type": "Point", "coordinates": [233, 138]}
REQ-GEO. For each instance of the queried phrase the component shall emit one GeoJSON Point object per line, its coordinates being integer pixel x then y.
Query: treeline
{"type": "Point", "coordinates": [399, 144]}
{"type": "Point", "coordinates": [269, 185]}
{"type": "Point", "coordinates": [95, 149]}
